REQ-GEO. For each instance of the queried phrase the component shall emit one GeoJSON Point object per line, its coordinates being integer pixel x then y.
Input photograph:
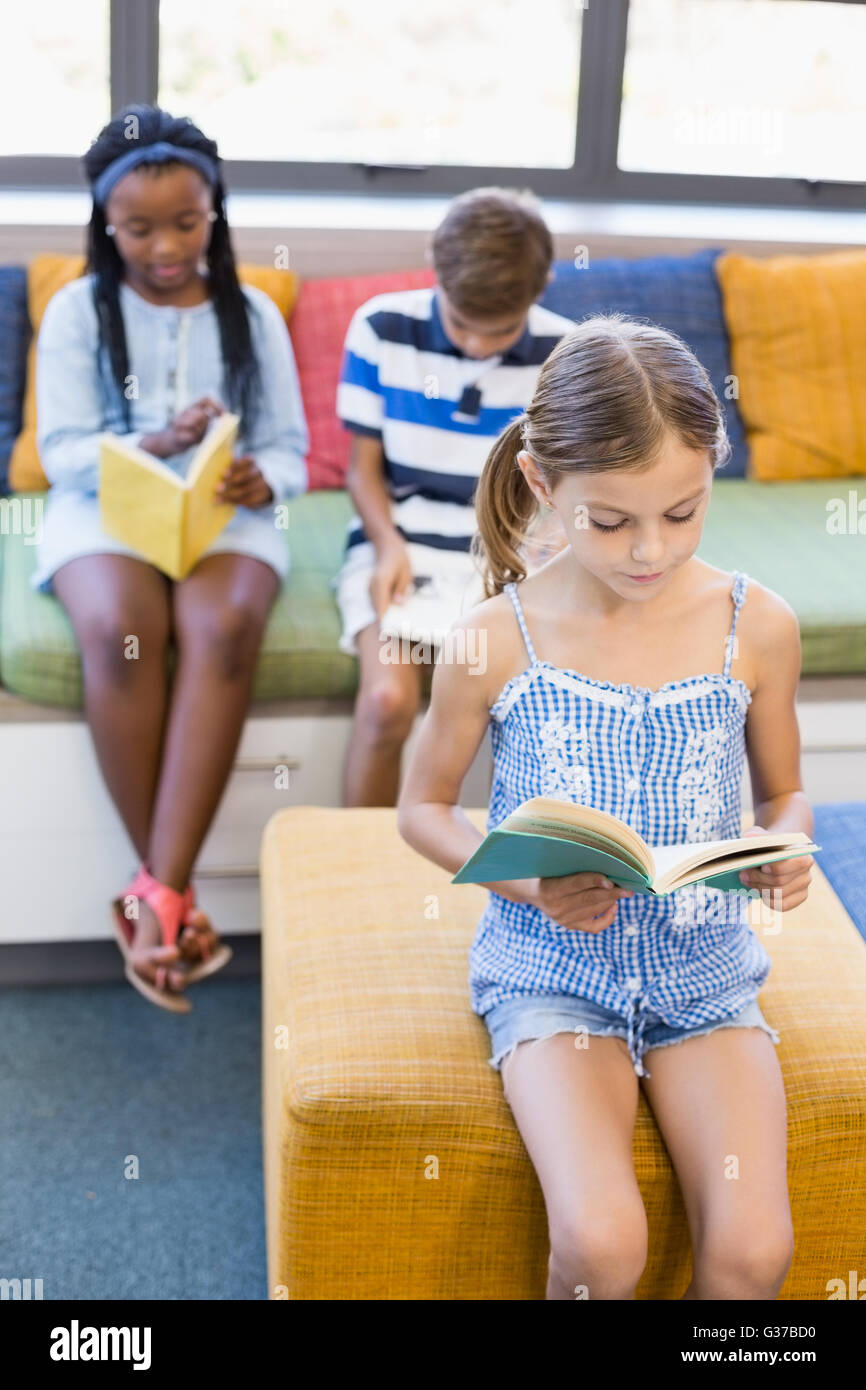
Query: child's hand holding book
{"type": "Point", "coordinates": [185, 430]}
{"type": "Point", "coordinates": [391, 580]}
{"type": "Point", "coordinates": [581, 902]}
{"type": "Point", "coordinates": [243, 485]}
{"type": "Point", "coordinates": [167, 518]}
{"type": "Point", "coordinates": [786, 882]}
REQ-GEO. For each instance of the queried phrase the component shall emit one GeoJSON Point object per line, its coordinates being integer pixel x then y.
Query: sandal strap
{"type": "Point", "coordinates": [140, 881]}
{"type": "Point", "coordinates": [166, 903]}
{"type": "Point", "coordinates": [137, 886]}
{"type": "Point", "coordinates": [144, 882]}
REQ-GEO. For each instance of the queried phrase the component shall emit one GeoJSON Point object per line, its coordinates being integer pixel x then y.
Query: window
{"type": "Point", "coordinates": [759, 102]}
{"type": "Point", "coordinates": [417, 82]}
{"type": "Point", "coordinates": [766, 88]}
{"type": "Point", "coordinates": [54, 94]}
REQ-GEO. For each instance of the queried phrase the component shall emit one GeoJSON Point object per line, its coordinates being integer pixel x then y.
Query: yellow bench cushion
{"type": "Point", "coordinates": [376, 1076]}
{"type": "Point", "coordinates": [797, 326]}
{"type": "Point", "coordinates": [45, 276]}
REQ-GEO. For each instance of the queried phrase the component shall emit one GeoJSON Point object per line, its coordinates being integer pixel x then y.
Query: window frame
{"type": "Point", "coordinates": [594, 175]}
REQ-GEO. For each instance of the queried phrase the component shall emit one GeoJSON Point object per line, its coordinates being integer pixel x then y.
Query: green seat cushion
{"type": "Point", "coordinates": [299, 658]}
{"type": "Point", "coordinates": [778, 533]}
{"type": "Point", "coordinates": [782, 535]}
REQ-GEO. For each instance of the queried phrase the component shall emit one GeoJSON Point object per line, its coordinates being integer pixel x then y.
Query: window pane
{"type": "Point", "coordinates": [390, 82]}
{"type": "Point", "coordinates": [54, 89]}
{"type": "Point", "coordinates": [770, 88]}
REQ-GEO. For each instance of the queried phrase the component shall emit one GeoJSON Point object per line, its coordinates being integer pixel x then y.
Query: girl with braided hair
{"type": "Point", "coordinates": [152, 342]}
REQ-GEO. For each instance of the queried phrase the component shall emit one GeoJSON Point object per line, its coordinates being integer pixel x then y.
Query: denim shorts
{"type": "Point", "coordinates": [536, 1016]}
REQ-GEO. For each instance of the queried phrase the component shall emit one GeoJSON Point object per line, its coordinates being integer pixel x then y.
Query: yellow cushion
{"type": "Point", "coordinates": [279, 285]}
{"type": "Point", "coordinates": [797, 326]}
{"type": "Point", "coordinates": [45, 276]}
{"type": "Point", "coordinates": [393, 1165]}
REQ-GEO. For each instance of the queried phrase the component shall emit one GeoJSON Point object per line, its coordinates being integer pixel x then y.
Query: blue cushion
{"type": "Point", "coordinates": [840, 830]}
{"type": "Point", "coordinates": [14, 342]}
{"type": "Point", "coordinates": [677, 292]}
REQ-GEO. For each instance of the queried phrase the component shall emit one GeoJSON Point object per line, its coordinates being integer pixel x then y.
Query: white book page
{"type": "Point", "coordinates": [667, 857]}
{"type": "Point", "coordinates": [426, 615]}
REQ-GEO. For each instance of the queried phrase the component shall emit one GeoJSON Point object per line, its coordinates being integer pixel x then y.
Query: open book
{"type": "Point", "coordinates": [170, 520]}
{"type": "Point", "coordinates": [548, 838]}
{"type": "Point", "coordinates": [430, 609]}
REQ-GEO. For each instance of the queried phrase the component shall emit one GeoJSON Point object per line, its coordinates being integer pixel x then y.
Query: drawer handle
{"type": "Point", "coordinates": [230, 871]}
{"type": "Point", "coordinates": [266, 764]}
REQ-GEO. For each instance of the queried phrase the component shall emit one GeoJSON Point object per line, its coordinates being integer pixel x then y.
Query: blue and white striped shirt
{"type": "Point", "coordinates": [668, 762]}
{"type": "Point", "coordinates": [403, 380]}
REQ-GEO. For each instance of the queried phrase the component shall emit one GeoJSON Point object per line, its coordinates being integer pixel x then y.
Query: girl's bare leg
{"type": "Point", "coordinates": [719, 1101]}
{"type": "Point", "coordinates": [121, 615]}
{"type": "Point", "coordinates": [219, 617]}
{"type": "Point", "coordinates": [575, 1108]}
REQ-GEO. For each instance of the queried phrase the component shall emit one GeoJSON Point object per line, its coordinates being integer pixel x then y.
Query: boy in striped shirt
{"type": "Point", "coordinates": [430, 377]}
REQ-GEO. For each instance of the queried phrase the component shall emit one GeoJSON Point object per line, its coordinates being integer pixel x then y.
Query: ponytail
{"type": "Point", "coordinates": [504, 509]}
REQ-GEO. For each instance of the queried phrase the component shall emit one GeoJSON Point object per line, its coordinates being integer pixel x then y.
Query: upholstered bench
{"type": "Point", "coordinates": [393, 1167]}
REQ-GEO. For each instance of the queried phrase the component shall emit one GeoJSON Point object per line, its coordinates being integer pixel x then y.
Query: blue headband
{"type": "Point", "coordinates": [159, 153]}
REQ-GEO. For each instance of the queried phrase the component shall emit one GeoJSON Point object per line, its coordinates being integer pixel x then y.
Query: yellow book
{"type": "Point", "coordinates": [168, 519]}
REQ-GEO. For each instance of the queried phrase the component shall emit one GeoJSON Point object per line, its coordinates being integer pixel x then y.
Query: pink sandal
{"type": "Point", "coordinates": [211, 962]}
{"type": "Point", "coordinates": [168, 906]}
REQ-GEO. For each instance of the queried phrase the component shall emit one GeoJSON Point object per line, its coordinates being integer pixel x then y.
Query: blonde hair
{"type": "Point", "coordinates": [606, 397]}
{"type": "Point", "coordinates": [492, 251]}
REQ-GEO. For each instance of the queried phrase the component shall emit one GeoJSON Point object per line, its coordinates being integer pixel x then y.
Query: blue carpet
{"type": "Point", "coordinates": [840, 828]}
{"type": "Point", "coordinates": [90, 1075]}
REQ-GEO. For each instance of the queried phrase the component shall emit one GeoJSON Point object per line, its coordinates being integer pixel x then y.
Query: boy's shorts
{"type": "Point", "coordinates": [536, 1016]}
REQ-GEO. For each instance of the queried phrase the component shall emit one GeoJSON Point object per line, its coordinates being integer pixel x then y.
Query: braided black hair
{"type": "Point", "coordinates": [242, 375]}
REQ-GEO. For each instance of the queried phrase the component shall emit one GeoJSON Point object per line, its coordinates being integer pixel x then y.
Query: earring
{"type": "Point", "coordinates": [211, 217]}
{"type": "Point", "coordinates": [109, 229]}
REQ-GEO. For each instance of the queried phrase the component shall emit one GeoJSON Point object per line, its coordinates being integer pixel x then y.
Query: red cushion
{"type": "Point", "coordinates": [318, 326]}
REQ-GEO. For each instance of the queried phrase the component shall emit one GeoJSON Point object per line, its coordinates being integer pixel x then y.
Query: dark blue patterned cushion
{"type": "Point", "coordinates": [677, 292]}
{"type": "Point", "coordinates": [14, 342]}
{"type": "Point", "coordinates": [840, 830]}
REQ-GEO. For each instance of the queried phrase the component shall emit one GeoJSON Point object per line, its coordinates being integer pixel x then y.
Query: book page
{"type": "Point", "coordinates": [204, 518]}
{"type": "Point", "coordinates": [680, 864]}
{"type": "Point", "coordinates": [594, 839]}
{"type": "Point", "coordinates": [430, 610]}
{"type": "Point", "coordinates": [141, 457]}
{"type": "Point", "coordinates": [545, 814]}
{"type": "Point", "coordinates": [141, 503]}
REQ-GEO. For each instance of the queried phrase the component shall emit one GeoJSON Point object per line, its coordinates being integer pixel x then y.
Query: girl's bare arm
{"type": "Point", "coordinates": [773, 745]}
{"type": "Point", "coordinates": [428, 815]}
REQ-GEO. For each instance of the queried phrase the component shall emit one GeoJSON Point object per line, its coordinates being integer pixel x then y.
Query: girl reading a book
{"type": "Point", "coordinates": [150, 344]}
{"type": "Point", "coordinates": [628, 675]}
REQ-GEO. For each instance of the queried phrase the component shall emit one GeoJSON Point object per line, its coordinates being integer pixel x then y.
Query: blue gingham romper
{"type": "Point", "coordinates": [668, 762]}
